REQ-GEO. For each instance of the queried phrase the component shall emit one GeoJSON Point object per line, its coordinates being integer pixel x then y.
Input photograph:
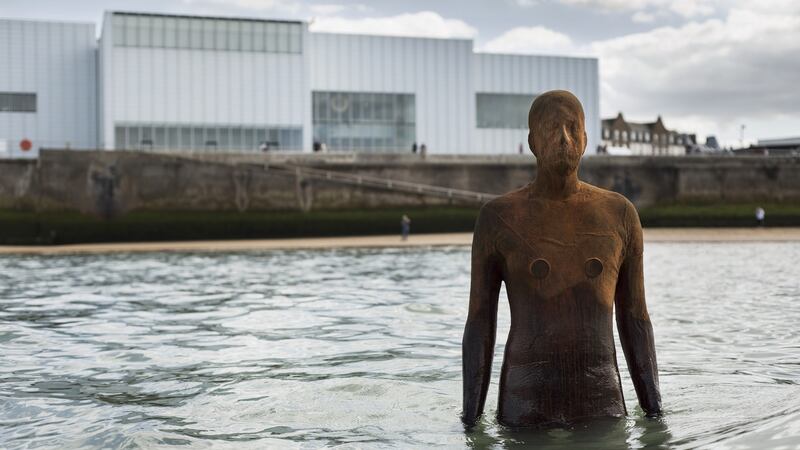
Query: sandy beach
{"type": "Point", "coordinates": [420, 240]}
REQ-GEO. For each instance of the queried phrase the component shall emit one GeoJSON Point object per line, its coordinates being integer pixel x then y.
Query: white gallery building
{"type": "Point", "coordinates": [172, 83]}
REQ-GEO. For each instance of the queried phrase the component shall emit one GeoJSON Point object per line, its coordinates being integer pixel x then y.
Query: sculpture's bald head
{"type": "Point", "coordinates": [557, 131]}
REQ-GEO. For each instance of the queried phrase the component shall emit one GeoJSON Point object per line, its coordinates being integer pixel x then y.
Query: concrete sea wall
{"type": "Point", "coordinates": [113, 183]}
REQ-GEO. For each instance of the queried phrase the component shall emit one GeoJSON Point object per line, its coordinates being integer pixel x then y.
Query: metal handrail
{"type": "Point", "coordinates": [392, 185]}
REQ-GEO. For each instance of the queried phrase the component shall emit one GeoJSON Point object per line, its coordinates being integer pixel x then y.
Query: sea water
{"type": "Point", "coordinates": [362, 349]}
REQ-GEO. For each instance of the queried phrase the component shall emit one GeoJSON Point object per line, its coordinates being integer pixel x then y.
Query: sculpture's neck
{"type": "Point", "coordinates": [551, 185]}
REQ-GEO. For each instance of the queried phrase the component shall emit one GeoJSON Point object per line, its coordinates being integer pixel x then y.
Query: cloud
{"type": "Point", "coordinates": [530, 40]}
{"type": "Point", "coordinates": [287, 6]}
{"type": "Point", "coordinates": [326, 9]}
{"type": "Point", "coordinates": [683, 8]}
{"type": "Point", "coordinates": [422, 24]}
{"type": "Point", "coordinates": [609, 5]}
{"type": "Point", "coordinates": [725, 69]}
{"type": "Point", "coordinates": [692, 8]}
{"type": "Point", "coordinates": [643, 17]}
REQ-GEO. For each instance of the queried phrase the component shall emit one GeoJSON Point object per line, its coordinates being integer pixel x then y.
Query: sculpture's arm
{"type": "Point", "coordinates": [479, 332]}
{"type": "Point", "coordinates": [633, 322]}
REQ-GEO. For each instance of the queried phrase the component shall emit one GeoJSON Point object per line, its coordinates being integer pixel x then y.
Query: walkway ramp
{"type": "Point", "coordinates": [381, 183]}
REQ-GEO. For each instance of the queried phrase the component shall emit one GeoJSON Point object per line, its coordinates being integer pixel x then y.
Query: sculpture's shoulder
{"type": "Point", "coordinates": [611, 201]}
{"type": "Point", "coordinates": [504, 205]}
{"type": "Point", "coordinates": [616, 211]}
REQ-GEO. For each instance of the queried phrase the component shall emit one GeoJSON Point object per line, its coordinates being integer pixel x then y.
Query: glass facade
{"type": "Point", "coordinates": [17, 102]}
{"type": "Point", "coordinates": [364, 121]}
{"type": "Point", "coordinates": [238, 35]}
{"type": "Point", "coordinates": [206, 137]}
{"type": "Point", "coordinates": [503, 110]}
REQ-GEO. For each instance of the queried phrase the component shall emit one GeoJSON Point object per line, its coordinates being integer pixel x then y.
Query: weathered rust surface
{"type": "Point", "coordinates": [569, 254]}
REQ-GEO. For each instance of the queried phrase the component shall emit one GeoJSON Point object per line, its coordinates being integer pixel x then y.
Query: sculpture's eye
{"type": "Point", "coordinates": [593, 267]}
{"type": "Point", "coordinates": [540, 268]}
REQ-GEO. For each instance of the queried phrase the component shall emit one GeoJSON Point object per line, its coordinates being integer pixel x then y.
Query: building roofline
{"type": "Point", "coordinates": [197, 16]}
{"type": "Point", "coordinates": [392, 36]}
{"type": "Point", "coordinates": [539, 55]}
{"type": "Point", "coordinates": [793, 140]}
{"type": "Point", "coordinates": [63, 22]}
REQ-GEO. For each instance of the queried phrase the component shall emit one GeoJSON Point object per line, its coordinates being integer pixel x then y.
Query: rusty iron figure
{"type": "Point", "coordinates": [570, 254]}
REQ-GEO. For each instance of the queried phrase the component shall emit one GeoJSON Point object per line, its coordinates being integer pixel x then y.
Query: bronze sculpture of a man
{"type": "Point", "coordinates": [569, 253]}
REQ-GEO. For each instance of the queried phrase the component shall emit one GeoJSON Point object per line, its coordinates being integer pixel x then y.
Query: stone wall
{"type": "Point", "coordinates": [111, 183]}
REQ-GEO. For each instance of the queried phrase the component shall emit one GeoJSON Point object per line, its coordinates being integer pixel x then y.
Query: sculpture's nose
{"type": "Point", "coordinates": [566, 139]}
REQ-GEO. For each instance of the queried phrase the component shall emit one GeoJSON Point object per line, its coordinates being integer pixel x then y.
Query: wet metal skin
{"type": "Point", "coordinates": [570, 254]}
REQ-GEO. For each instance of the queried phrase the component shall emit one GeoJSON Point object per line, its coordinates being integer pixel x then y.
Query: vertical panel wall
{"type": "Point", "coordinates": [148, 83]}
{"type": "Point", "coordinates": [57, 63]}
{"type": "Point", "coordinates": [436, 71]}
{"type": "Point", "coordinates": [153, 82]}
{"type": "Point", "coordinates": [532, 75]}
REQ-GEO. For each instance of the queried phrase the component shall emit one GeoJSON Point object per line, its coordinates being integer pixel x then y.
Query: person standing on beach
{"type": "Point", "coordinates": [760, 215]}
{"type": "Point", "coordinates": [405, 226]}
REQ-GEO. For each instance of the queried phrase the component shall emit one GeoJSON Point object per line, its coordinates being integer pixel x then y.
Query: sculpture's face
{"type": "Point", "coordinates": [557, 131]}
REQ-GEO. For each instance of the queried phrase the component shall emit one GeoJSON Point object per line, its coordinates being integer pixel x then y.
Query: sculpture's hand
{"type": "Point", "coordinates": [479, 332]}
{"type": "Point", "coordinates": [633, 322]}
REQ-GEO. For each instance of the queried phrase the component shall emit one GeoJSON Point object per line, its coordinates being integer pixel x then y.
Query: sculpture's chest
{"type": "Point", "coordinates": [553, 257]}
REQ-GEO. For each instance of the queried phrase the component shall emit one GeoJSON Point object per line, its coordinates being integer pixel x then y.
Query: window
{"type": "Point", "coordinates": [234, 35]}
{"type": "Point", "coordinates": [172, 138]}
{"type": "Point", "coordinates": [247, 36]}
{"type": "Point", "coordinates": [616, 135]}
{"type": "Point", "coordinates": [205, 137]}
{"type": "Point", "coordinates": [131, 31]}
{"type": "Point", "coordinates": [157, 29]}
{"type": "Point", "coordinates": [222, 36]}
{"type": "Point", "coordinates": [133, 138]}
{"type": "Point", "coordinates": [624, 135]}
{"type": "Point", "coordinates": [211, 30]}
{"type": "Point", "coordinates": [186, 138]}
{"type": "Point", "coordinates": [160, 137]}
{"type": "Point", "coordinates": [503, 110]}
{"type": "Point", "coordinates": [197, 138]}
{"type": "Point", "coordinates": [17, 102]}
{"type": "Point", "coordinates": [259, 36]}
{"type": "Point", "coordinates": [145, 30]}
{"type": "Point", "coordinates": [195, 34]}
{"type": "Point", "coordinates": [605, 133]}
{"type": "Point", "coordinates": [271, 37]}
{"type": "Point", "coordinates": [170, 32]}
{"type": "Point", "coordinates": [184, 25]}
{"type": "Point", "coordinates": [119, 138]}
{"type": "Point", "coordinates": [283, 38]}
{"type": "Point", "coordinates": [118, 24]}
{"type": "Point", "coordinates": [364, 121]}
{"type": "Point", "coordinates": [295, 39]}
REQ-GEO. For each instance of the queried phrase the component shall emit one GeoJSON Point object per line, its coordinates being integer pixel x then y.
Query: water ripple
{"type": "Point", "coordinates": [361, 349]}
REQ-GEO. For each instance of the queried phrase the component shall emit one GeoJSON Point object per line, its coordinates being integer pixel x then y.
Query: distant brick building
{"type": "Point", "coordinates": [644, 138]}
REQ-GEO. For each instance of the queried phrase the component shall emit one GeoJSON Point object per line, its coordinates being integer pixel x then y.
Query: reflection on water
{"type": "Point", "coordinates": [636, 432]}
{"type": "Point", "coordinates": [362, 348]}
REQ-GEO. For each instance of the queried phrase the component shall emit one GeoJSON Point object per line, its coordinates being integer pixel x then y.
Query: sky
{"type": "Point", "coordinates": [730, 68]}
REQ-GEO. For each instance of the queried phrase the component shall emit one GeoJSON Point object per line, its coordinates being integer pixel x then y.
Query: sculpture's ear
{"type": "Point", "coordinates": [530, 143]}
